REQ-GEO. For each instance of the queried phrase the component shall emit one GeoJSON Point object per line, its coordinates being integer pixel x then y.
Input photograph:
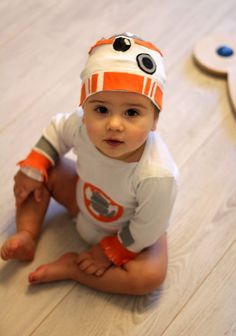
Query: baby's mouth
{"type": "Point", "coordinates": [114, 142]}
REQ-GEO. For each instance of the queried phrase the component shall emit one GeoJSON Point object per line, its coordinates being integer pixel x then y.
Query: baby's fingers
{"type": "Point", "coordinates": [20, 191]}
{"type": "Point", "coordinates": [85, 264]}
{"type": "Point", "coordinates": [100, 271]}
{"type": "Point", "coordinates": [38, 194]}
{"type": "Point", "coordinates": [82, 257]}
{"type": "Point", "coordinates": [90, 268]}
{"type": "Point", "coordinates": [20, 196]}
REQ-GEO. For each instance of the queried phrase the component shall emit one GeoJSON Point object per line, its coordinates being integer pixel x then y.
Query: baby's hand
{"type": "Point", "coordinates": [24, 186]}
{"type": "Point", "coordinates": [93, 261]}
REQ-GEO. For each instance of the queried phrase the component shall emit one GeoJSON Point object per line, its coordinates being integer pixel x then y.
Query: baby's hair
{"type": "Point", "coordinates": [156, 110]}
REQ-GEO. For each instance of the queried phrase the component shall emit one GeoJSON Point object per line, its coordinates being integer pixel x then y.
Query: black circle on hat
{"type": "Point", "coordinates": [146, 63]}
{"type": "Point", "coordinates": [122, 44]}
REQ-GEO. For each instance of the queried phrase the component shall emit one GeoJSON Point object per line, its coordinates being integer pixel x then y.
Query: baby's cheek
{"type": "Point", "coordinates": [91, 130]}
{"type": "Point", "coordinates": [140, 137]}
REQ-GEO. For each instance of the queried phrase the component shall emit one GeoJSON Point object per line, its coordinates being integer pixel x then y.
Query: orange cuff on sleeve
{"type": "Point", "coordinates": [37, 161]}
{"type": "Point", "coordinates": [115, 251]}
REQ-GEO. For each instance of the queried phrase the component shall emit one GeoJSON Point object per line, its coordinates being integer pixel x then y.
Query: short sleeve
{"type": "Point", "coordinates": [61, 133]}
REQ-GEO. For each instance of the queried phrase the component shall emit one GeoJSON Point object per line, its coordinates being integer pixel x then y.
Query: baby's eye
{"type": "Point", "coordinates": [101, 109]}
{"type": "Point", "coordinates": [132, 113]}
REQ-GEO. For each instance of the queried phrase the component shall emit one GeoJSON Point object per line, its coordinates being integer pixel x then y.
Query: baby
{"type": "Point", "coordinates": [123, 184]}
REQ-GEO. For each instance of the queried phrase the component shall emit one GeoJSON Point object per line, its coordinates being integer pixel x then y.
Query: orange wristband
{"type": "Point", "coordinates": [37, 161]}
{"type": "Point", "coordinates": [115, 251]}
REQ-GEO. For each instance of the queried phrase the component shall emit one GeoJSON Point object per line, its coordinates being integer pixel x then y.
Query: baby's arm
{"type": "Point", "coordinates": [57, 140]}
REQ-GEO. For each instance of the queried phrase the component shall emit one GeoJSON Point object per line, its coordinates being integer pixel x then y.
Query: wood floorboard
{"type": "Point", "coordinates": [216, 297]}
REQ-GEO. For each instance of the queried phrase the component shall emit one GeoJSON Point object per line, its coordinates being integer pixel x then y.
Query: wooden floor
{"type": "Point", "coordinates": [43, 46]}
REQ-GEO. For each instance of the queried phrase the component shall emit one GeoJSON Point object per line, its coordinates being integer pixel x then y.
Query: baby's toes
{"type": "Point", "coordinates": [8, 250]}
{"type": "Point", "coordinates": [4, 254]}
{"type": "Point", "coordinates": [39, 275]}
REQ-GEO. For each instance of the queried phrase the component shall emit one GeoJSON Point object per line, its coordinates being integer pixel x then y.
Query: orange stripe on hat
{"type": "Point", "coordinates": [158, 97]}
{"type": "Point", "coordinates": [119, 81]}
{"type": "Point", "coordinates": [83, 94]}
{"type": "Point", "coordinates": [123, 81]}
{"type": "Point", "coordinates": [102, 42]}
{"type": "Point", "coordinates": [94, 83]}
{"type": "Point", "coordinates": [148, 45]}
{"type": "Point", "coordinates": [147, 86]}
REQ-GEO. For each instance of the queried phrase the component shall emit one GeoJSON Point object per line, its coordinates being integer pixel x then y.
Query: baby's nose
{"type": "Point", "coordinates": [115, 124]}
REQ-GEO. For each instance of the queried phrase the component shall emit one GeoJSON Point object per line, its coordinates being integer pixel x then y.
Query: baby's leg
{"type": "Point", "coordinates": [29, 218]}
{"type": "Point", "coordinates": [61, 185]}
{"type": "Point", "coordinates": [138, 277]}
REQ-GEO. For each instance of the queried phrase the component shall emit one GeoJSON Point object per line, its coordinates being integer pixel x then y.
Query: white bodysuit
{"type": "Point", "coordinates": [132, 200]}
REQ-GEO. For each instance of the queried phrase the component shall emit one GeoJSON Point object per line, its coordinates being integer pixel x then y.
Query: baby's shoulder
{"type": "Point", "coordinates": [156, 161]}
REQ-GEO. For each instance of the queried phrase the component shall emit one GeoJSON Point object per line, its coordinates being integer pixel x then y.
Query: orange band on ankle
{"type": "Point", "coordinates": [115, 251]}
{"type": "Point", "coordinates": [37, 161]}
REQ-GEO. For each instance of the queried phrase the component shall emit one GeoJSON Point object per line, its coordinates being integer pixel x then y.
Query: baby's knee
{"type": "Point", "coordinates": [61, 184]}
{"type": "Point", "coordinates": [147, 281]}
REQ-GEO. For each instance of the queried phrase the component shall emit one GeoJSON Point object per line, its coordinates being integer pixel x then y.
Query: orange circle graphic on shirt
{"type": "Point", "coordinates": [99, 205]}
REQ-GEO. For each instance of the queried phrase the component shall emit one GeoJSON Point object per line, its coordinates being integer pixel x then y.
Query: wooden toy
{"type": "Point", "coordinates": [217, 55]}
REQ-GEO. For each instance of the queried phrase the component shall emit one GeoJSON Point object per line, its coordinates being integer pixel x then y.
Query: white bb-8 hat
{"type": "Point", "coordinates": [124, 63]}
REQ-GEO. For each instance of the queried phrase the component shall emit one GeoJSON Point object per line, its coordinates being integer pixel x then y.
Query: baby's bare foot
{"type": "Point", "coordinates": [63, 268]}
{"type": "Point", "coordinates": [20, 246]}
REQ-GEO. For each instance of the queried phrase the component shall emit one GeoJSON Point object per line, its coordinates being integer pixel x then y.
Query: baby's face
{"type": "Point", "coordinates": [118, 123]}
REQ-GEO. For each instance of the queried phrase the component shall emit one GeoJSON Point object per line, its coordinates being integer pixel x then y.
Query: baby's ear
{"type": "Point", "coordinates": [156, 117]}
{"type": "Point", "coordinates": [154, 127]}
{"type": "Point", "coordinates": [155, 121]}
